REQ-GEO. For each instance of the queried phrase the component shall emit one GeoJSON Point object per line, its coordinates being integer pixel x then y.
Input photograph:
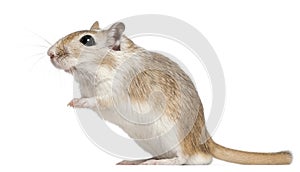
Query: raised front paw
{"type": "Point", "coordinates": [83, 103]}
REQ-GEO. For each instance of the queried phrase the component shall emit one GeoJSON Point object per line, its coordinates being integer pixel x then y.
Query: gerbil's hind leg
{"type": "Point", "coordinates": [134, 162]}
{"type": "Point", "coordinates": [83, 102]}
{"type": "Point", "coordinates": [172, 161]}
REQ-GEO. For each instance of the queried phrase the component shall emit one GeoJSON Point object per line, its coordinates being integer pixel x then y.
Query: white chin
{"type": "Point", "coordinates": [67, 70]}
{"type": "Point", "coordinates": [55, 64]}
{"type": "Point", "coordinates": [70, 70]}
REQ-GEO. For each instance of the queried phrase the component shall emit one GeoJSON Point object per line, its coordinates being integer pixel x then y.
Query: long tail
{"type": "Point", "coordinates": [249, 158]}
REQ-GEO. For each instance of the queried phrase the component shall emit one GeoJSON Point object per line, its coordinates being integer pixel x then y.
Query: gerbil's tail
{"type": "Point", "coordinates": [249, 158]}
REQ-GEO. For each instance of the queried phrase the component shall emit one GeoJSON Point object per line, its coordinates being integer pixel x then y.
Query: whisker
{"type": "Point", "coordinates": [39, 36]}
{"type": "Point", "coordinates": [37, 45]}
{"type": "Point", "coordinates": [37, 54]}
{"type": "Point", "coordinates": [36, 62]}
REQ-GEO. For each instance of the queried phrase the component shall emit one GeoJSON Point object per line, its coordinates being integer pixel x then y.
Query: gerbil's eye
{"type": "Point", "coordinates": [88, 40]}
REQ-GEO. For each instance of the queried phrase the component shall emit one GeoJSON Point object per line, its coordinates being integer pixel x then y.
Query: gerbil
{"type": "Point", "coordinates": [146, 94]}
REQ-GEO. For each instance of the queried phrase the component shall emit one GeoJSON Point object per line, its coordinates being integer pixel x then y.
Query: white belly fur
{"type": "Point", "coordinates": [147, 136]}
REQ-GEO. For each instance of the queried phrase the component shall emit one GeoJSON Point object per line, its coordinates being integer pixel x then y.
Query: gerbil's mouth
{"type": "Point", "coordinates": [63, 64]}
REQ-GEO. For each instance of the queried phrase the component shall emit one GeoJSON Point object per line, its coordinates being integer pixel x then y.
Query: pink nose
{"type": "Point", "coordinates": [51, 54]}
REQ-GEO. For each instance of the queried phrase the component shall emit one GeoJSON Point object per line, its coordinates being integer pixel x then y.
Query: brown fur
{"type": "Point", "coordinates": [109, 61]}
{"type": "Point", "coordinates": [149, 81]}
{"type": "Point", "coordinates": [195, 142]}
{"type": "Point", "coordinates": [71, 36]}
{"type": "Point", "coordinates": [184, 105]}
{"type": "Point", "coordinates": [248, 158]}
{"type": "Point", "coordinates": [178, 90]}
{"type": "Point", "coordinates": [95, 26]}
{"type": "Point", "coordinates": [63, 45]}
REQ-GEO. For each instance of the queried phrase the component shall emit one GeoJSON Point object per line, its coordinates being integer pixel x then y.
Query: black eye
{"type": "Point", "coordinates": [88, 40]}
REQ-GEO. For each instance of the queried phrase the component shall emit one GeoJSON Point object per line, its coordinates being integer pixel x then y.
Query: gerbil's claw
{"type": "Point", "coordinates": [73, 102]}
{"type": "Point", "coordinates": [70, 104]}
{"type": "Point", "coordinates": [83, 103]}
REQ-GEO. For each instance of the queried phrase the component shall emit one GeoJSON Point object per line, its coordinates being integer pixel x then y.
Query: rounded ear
{"type": "Point", "coordinates": [114, 34]}
{"type": "Point", "coordinates": [95, 26]}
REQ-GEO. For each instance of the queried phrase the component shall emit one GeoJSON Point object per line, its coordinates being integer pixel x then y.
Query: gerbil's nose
{"type": "Point", "coordinates": [51, 53]}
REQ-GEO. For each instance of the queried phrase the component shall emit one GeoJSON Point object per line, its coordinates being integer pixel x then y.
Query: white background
{"type": "Point", "coordinates": [257, 43]}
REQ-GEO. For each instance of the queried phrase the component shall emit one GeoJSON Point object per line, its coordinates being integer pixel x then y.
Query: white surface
{"type": "Point", "coordinates": [257, 43]}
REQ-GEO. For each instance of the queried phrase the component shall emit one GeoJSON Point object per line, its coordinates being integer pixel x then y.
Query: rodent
{"type": "Point", "coordinates": [114, 73]}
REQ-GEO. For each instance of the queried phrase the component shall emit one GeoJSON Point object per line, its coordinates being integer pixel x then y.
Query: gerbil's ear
{"type": "Point", "coordinates": [114, 34]}
{"type": "Point", "coordinates": [95, 26]}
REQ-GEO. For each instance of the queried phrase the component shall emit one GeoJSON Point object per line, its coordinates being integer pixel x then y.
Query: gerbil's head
{"type": "Point", "coordinates": [78, 47]}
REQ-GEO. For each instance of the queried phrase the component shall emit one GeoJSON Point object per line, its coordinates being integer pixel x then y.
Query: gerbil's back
{"type": "Point", "coordinates": [164, 84]}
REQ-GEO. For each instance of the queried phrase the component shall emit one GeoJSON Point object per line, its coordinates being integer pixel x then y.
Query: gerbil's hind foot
{"type": "Point", "coordinates": [172, 161]}
{"type": "Point", "coordinates": [134, 162]}
{"type": "Point", "coordinates": [83, 102]}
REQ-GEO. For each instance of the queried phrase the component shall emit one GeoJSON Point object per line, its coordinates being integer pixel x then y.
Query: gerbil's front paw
{"type": "Point", "coordinates": [83, 102]}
